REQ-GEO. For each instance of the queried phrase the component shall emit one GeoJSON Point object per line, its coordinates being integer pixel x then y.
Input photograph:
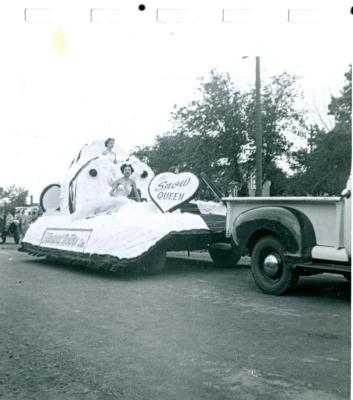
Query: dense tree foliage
{"type": "Point", "coordinates": [323, 166]}
{"type": "Point", "coordinates": [16, 195]}
{"type": "Point", "coordinates": [215, 134]}
{"type": "Point", "coordinates": [280, 115]}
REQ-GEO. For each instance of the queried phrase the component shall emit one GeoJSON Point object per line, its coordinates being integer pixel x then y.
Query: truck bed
{"type": "Point", "coordinates": [325, 213]}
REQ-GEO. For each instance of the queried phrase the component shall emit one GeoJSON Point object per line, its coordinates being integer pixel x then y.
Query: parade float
{"type": "Point", "coordinates": [83, 222]}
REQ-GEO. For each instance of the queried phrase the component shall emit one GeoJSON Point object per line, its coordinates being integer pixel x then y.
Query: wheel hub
{"type": "Point", "coordinates": [272, 266]}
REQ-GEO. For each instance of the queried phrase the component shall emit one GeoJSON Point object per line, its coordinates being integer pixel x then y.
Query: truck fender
{"type": "Point", "coordinates": [292, 227]}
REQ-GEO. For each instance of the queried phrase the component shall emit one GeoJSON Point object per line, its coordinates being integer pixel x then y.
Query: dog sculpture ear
{"type": "Point", "coordinates": [50, 198]}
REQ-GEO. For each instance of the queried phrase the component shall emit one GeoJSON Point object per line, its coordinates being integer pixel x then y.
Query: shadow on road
{"type": "Point", "coordinates": [174, 266]}
{"type": "Point", "coordinates": [319, 286]}
{"type": "Point", "coordinates": [324, 285]}
{"type": "Point", "coordinates": [82, 269]}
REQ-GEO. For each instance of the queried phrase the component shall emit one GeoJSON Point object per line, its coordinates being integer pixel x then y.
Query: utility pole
{"type": "Point", "coordinates": [258, 130]}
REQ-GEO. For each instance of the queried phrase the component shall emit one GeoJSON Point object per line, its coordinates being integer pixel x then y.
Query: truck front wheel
{"type": "Point", "coordinates": [269, 269]}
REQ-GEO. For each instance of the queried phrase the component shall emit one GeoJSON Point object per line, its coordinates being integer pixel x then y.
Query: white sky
{"type": "Point", "coordinates": [69, 81]}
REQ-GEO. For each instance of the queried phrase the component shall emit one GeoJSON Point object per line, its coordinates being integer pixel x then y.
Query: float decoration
{"type": "Point", "coordinates": [50, 198]}
{"type": "Point", "coordinates": [84, 224]}
{"type": "Point", "coordinates": [168, 191]}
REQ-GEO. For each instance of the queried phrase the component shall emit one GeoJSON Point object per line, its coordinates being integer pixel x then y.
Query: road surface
{"type": "Point", "coordinates": [193, 332]}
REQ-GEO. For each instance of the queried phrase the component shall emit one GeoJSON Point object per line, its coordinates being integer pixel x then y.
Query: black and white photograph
{"type": "Point", "coordinates": [175, 200]}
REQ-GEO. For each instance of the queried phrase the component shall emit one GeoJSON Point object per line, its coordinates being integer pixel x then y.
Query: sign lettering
{"type": "Point", "coordinates": [168, 190]}
{"type": "Point", "coordinates": [66, 239]}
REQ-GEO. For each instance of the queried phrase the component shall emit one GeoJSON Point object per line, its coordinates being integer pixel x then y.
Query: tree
{"type": "Point", "coordinates": [341, 106]}
{"type": "Point", "coordinates": [215, 125]}
{"type": "Point", "coordinates": [280, 115]}
{"type": "Point", "coordinates": [323, 167]}
{"type": "Point", "coordinates": [16, 194]}
{"type": "Point", "coordinates": [214, 133]}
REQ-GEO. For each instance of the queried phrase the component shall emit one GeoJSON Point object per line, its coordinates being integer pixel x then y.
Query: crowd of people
{"type": "Point", "coordinates": [16, 221]}
{"type": "Point", "coordinates": [25, 217]}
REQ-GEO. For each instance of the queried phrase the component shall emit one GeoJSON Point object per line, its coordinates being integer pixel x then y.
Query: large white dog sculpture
{"type": "Point", "coordinates": [85, 189]}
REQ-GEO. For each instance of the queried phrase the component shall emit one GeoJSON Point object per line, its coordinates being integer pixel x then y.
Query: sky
{"type": "Point", "coordinates": [66, 81]}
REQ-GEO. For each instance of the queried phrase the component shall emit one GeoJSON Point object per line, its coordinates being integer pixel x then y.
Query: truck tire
{"type": "Point", "coordinates": [3, 238]}
{"type": "Point", "coordinates": [224, 258]}
{"type": "Point", "coordinates": [269, 269]}
{"type": "Point", "coordinates": [153, 263]}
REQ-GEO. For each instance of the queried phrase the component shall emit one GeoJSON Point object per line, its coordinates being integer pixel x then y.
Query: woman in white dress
{"type": "Point", "coordinates": [125, 186]}
{"type": "Point", "coordinates": [109, 144]}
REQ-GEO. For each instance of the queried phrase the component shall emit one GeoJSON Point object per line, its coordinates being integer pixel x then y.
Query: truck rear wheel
{"type": "Point", "coordinates": [269, 269]}
{"type": "Point", "coordinates": [223, 256]}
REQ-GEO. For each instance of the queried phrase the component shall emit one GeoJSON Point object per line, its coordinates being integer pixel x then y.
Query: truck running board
{"type": "Point", "coordinates": [326, 267]}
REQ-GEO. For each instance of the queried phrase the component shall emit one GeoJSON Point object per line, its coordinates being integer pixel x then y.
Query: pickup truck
{"type": "Point", "coordinates": [287, 237]}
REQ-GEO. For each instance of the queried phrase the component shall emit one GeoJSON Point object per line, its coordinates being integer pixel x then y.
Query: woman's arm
{"type": "Point", "coordinates": [112, 190]}
{"type": "Point", "coordinates": [114, 187]}
{"type": "Point", "coordinates": [136, 193]}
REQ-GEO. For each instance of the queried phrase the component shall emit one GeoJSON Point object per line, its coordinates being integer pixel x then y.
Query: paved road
{"type": "Point", "coordinates": [193, 332]}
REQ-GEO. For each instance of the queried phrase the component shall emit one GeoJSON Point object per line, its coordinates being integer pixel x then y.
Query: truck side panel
{"type": "Point", "coordinates": [292, 228]}
{"type": "Point", "coordinates": [321, 211]}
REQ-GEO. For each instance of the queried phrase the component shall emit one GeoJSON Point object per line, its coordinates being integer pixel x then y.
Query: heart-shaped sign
{"type": "Point", "coordinates": [168, 191]}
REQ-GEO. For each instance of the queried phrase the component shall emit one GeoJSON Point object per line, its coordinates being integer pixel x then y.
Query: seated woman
{"type": "Point", "coordinates": [109, 144]}
{"type": "Point", "coordinates": [125, 186]}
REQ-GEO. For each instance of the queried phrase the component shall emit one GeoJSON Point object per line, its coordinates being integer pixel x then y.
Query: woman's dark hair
{"type": "Point", "coordinates": [124, 166]}
{"type": "Point", "coordinates": [108, 140]}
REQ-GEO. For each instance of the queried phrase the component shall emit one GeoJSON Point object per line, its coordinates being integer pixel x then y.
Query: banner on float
{"type": "Point", "coordinates": [66, 239]}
